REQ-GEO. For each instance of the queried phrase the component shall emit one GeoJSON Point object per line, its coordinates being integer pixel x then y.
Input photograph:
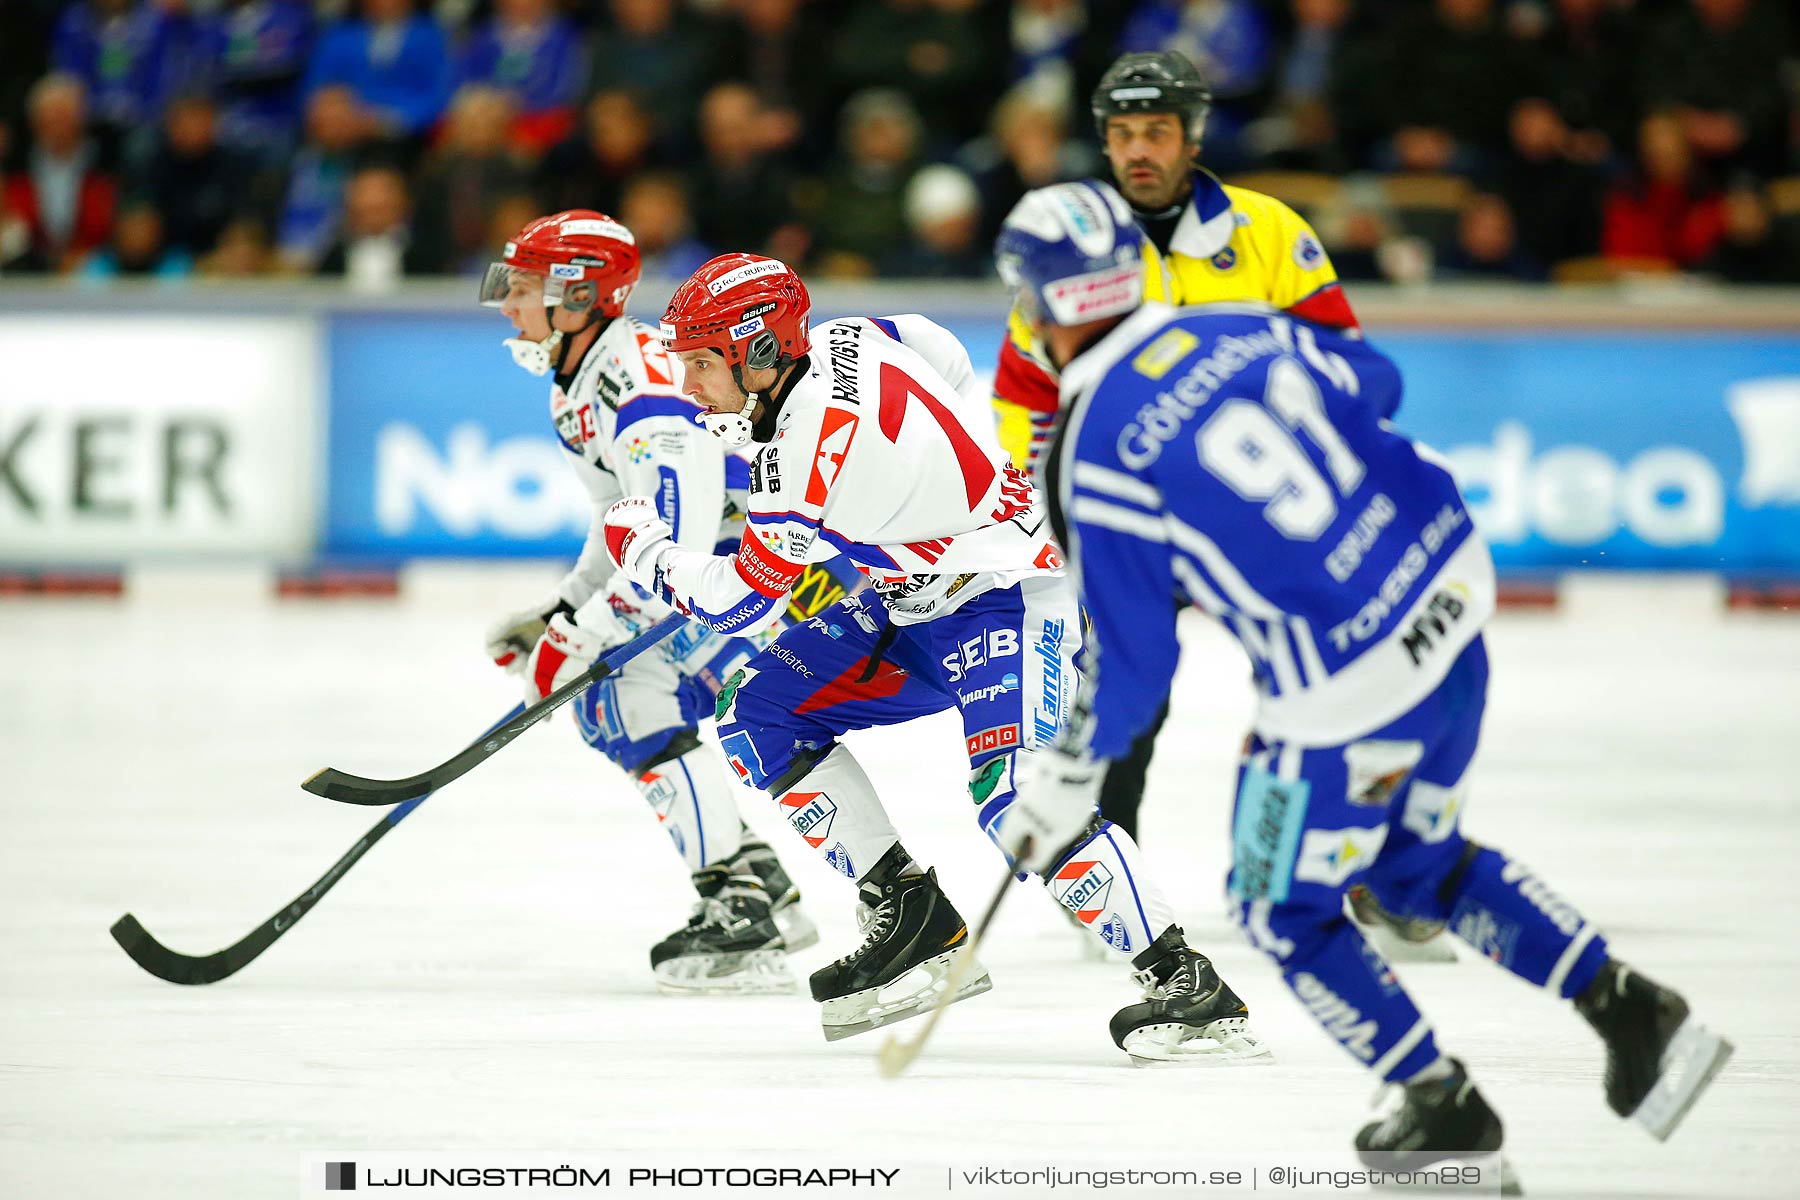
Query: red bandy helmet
{"type": "Point", "coordinates": [581, 259]}
{"type": "Point", "coordinates": [566, 249]}
{"type": "Point", "coordinates": [752, 310]}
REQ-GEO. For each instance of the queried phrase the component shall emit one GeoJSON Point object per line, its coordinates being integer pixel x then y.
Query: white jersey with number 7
{"type": "Point", "coordinates": [884, 451]}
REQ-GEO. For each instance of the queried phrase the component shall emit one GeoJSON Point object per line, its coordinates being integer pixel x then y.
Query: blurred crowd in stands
{"type": "Point", "coordinates": [378, 139]}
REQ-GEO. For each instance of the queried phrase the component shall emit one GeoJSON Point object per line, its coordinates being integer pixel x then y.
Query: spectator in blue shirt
{"type": "Point", "coordinates": [654, 50]}
{"type": "Point", "coordinates": [131, 56]}
{"type": "Point", "coordinates": [1230, 41]}
{"type": "Point", "coordinates": [537, 57]}
{"type": "Point", "coordinates": [259, 56]}
{"type": "Point", "coordinates": [336, 129]}
{"type": "Point", "coordinates": [396, 62]}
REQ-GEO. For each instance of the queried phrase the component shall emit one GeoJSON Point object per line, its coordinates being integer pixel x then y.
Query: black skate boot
{"type": "Point", "coordinates": [1441, 1123]}
{"type": "Point", "coordinates": [730, 944]}
{"type": "Point", "coordinates": [1658, 1057]}
{"type": "Point", "coordinates": [797, 929]}
{"type": "Point", "coordinates": [911, 931]}
{"type": "Point", "coordinates": [1400, 939]}
{"type": "Point", "coordinates": [1188, 1015]}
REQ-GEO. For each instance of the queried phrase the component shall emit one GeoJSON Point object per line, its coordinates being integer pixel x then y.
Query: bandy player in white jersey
{"type": "Point", "coordinates": [625, 430]}
{"type": "Point", "coordinates": [868, 448]}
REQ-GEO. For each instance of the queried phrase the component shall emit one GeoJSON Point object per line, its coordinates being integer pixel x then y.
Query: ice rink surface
{"type": "Point", "coordinates": [480, 981]}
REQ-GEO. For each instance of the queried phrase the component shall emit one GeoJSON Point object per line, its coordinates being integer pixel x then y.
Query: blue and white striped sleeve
{"type": "Point", "coordinates": [1119, 549]}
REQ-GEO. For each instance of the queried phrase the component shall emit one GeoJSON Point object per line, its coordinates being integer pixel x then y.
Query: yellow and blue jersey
{"type": "Point", "coordinates": [1230, 244]}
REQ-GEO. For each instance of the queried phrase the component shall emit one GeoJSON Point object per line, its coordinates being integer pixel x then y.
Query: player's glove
{"type": "Point", "coordinates": [1058, 796]}
{"type": "Point", "coordinates": [567, 649]}
{"type": "Point", "coordinates": [510, 639]}
{"type": "Point", "coordinates": [636, 537]}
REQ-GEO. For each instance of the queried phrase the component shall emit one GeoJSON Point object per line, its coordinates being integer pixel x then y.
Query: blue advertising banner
{"type": "Point", "coordinates": [1620, 449]}
{"type": "Point", "coordinates": [440, 445]}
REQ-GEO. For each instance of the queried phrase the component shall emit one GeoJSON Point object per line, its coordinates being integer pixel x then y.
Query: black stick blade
{"type": "Point", "coordinates": [346, 788]}
{"type": "Point", "coordinates": [334, 784]}
{"type": "Point", "coordinates": [165, 963]}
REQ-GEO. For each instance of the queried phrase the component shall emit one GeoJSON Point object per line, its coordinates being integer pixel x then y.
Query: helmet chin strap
{"type": "Point", "coordinates": [539, 357]}
{"type": "Point", "coordinates": [536, 357]}
{"type": "Point", "coordinates": [734, 429]}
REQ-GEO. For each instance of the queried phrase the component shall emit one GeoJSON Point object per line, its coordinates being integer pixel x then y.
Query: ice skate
{"type": "Point", "coordinates": [913, 939]}
{"type": "Point", "coordinates": [1400, 939]}
{"type": "Point", "coordinates": [1659, 1058]}
{"type": "Point", "coordinates": [1188, 1014]}
{"type": "Point", "coordinates": [729, 946]}
{"type": "Point", "coordinates": [797, 929]}
{"type": "Point", "coordinates": [1438, 1124]}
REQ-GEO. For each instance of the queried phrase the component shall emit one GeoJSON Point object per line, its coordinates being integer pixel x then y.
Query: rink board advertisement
{"type": "Point", "coordinates": [440, 445]}
{"type": "Point", "coordinates": [1645, 451]}
{"type": "Point", "coordinates": [133, 438]}
{"type": "Point", "coordinates": [1631, 450]}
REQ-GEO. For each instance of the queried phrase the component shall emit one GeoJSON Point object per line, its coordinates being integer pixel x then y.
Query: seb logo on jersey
{"type": "Point", "coordinates": [978, 651]}
{"type": "Point", "coordinates": [834, 442]}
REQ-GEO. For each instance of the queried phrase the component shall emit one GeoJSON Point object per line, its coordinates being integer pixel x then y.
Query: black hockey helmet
{"type": "Point", "coordinates": [1153, 81]}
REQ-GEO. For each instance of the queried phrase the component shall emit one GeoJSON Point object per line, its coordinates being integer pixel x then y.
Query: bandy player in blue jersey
{"type": "Point", "coordinates": [1240, 459]}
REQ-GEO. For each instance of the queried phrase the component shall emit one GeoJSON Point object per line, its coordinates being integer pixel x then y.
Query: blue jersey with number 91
{"type": "Point", "coordinates": [1242, 460]}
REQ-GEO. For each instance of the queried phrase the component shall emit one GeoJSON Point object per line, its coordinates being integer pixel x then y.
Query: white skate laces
{"type": "Point", "coordinates": [873, 921]}
{"type": "Point", "coordinates": [1146, 980]}
{"type": "Point", "coordinates": [1184, 980]}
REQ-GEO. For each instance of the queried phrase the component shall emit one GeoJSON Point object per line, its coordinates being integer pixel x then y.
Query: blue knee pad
{"type": "Point", "coordinates": [1292, 929]}
{"type": "Point", "coordinates": [1420, 880]}
{"type": "Point", "coordinates": [603, 727]}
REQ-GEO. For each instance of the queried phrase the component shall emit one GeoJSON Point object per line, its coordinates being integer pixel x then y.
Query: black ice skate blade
{"type": "Point", "coordinates": [920, 1005]}
{"type": "Point", "coordinates": [1694, 1055]}
{"type": "Point", "coordinates": [752, 972]}
{"type": "Point", "coordinates": [1461, 1175]}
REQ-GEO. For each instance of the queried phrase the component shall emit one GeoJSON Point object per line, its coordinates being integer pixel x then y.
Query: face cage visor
{"type": "Point", "coordinates": [502, 281]}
